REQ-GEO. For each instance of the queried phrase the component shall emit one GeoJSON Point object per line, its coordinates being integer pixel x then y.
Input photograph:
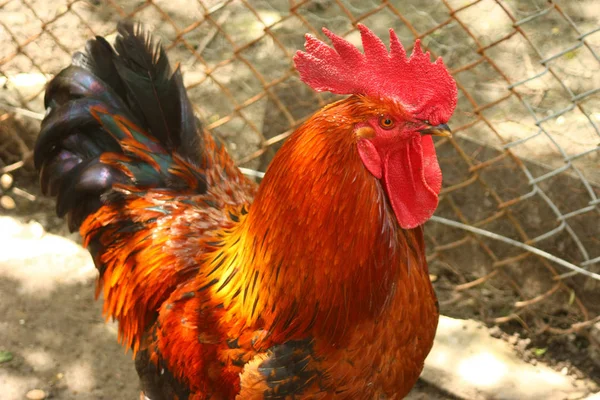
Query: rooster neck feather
{"type": "Point", "coordinates": [320, 249]}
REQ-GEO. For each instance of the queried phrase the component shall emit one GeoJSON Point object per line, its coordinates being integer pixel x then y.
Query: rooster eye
{"type": "Point", "coordinates": [386, 122]}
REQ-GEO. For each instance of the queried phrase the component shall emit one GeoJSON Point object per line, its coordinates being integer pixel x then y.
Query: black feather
{"type": "Point", "coordinates": [52, 172]}
{"type": "Point", "coordinates": [157, 382]}
{"type": "Point", "coordinates": [189, 145]}
{"type": "Point", "coordinates": [88, 205]}
{"type": "Point", "coordinates": [159, 95]}
{"type": "Point", "coordinates": [129, 86]}
{"type": "Point", "coordinates": [99, 58]}
{"type": "Point", "coordinates": [68, 196]}
{"type": "Point", "coordinates": [75, 82]}
{"type": "Point", "coordinates": [98, 178]}
{"type": "Point", "coordinates": [62, 122]}
{"type": "Point", "coordinates": [289, 369]}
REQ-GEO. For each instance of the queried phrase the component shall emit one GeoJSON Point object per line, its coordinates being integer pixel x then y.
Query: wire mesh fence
{"type": "Point", "coordinates": [520, 174]}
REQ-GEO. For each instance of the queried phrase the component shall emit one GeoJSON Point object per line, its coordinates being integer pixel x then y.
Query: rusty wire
{"type": "Point", "coordinates": [254, 101]}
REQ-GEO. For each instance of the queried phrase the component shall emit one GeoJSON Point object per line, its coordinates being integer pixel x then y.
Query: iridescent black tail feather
{"type": "Point", "coordinates": [117, 118]}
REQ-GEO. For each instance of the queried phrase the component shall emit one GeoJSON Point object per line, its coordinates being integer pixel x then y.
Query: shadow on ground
{"type": "Point", "coordinates": [50, 323]}
{"type": "Point", "coordinates": [60, 344]}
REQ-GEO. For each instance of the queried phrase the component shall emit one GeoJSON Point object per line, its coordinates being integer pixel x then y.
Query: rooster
{"type": "Point", "coordinates": [314, 284]}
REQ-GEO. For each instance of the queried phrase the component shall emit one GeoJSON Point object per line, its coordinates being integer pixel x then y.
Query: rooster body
{"type": "Point", "coordinates": [312, 285]}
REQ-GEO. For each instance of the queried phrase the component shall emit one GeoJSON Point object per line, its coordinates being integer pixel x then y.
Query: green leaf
{"type": "Point", "coordinates": [5, 356]}
{"type": "Point", "coordinates": [540, 352]}
{"type": "Point", "coordinates": [571, 54]}
{"type": "Point", "coordinates": [571, 297]}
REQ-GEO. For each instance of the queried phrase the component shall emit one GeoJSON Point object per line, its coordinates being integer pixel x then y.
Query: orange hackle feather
{"type": "Point", "coordinates": [139, 275]}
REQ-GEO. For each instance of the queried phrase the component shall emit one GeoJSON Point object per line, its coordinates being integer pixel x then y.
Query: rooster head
{"type": "Point", "coordinates": [400, 103]}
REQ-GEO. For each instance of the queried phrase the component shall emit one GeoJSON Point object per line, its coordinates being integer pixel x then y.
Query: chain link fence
{"type": "Point", "coordinates": [516, 238]}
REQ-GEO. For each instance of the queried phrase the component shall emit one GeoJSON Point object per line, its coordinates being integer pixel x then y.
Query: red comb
{"type": "Point", "coordinates": [426, 89]}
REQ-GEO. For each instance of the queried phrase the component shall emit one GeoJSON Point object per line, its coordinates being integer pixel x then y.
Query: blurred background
{"type": "Point", "coordinates": [516, 238]}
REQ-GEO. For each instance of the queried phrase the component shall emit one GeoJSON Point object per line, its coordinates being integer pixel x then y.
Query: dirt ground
{"type": "Point", "coordinates": [62, 346]}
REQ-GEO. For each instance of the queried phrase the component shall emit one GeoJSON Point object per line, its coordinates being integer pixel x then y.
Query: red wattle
{"type": "Point", "coordinates": [412, 179]}
{"type": "Point", "coordinates": [433, 173]}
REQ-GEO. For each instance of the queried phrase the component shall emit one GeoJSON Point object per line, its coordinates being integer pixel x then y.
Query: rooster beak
{"type": "Point", "coordinates": [439, 130]}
